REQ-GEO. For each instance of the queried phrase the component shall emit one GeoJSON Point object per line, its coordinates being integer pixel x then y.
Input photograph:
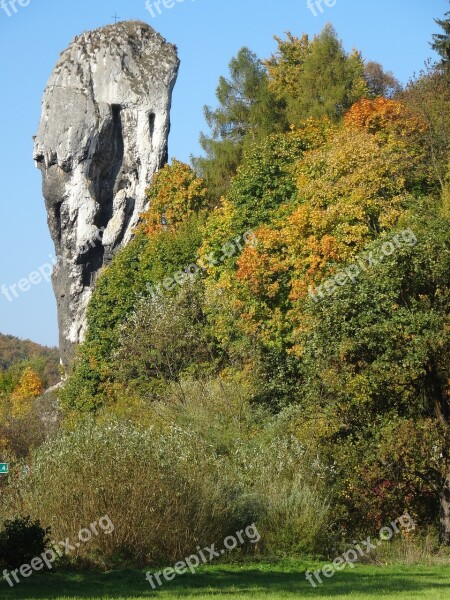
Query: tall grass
{"type": "Point", "coordinates": [175, 485]}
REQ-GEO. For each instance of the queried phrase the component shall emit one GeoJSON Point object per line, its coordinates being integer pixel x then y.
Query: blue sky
{"type": "Point", "coordinates": [207, 33]}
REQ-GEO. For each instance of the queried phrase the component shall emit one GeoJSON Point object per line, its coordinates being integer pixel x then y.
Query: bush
{"type": "Point", "coordinates": [163, 491]}
{"type": "Point", "coordinates": [168, 489]}
{"type": "Point", "coordinates": [19, 435]}
{"type": "Point", "coordinates": [289, 485]}
{"type": "Point", "coordinates": [22, 540]}
{"type": "Point", "coordinates": [166, 337]}
{"type": "Point", "coordinates": [143, 263]}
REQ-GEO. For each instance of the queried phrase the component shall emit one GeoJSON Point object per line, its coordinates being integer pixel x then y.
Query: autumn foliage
{"type": "Point", "coordinates": [358, 378]}
{"type": "Point", "coordinates": [30, 387]}
{"type": "Point", "coordinates": [175, 194]}
{"type": "Point", "coordinates": [383, 114]}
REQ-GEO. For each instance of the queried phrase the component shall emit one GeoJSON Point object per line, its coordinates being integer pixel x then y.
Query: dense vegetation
{"type": "Point", "coordinates": [27, 369]}
{"type": "Point", "coordinates": [273, 345]}
{"type": "Point", "coordinates": [13, 350]}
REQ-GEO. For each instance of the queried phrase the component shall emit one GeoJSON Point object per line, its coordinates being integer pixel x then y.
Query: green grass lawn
{"type": "Point", "coordinates": [242, 582]}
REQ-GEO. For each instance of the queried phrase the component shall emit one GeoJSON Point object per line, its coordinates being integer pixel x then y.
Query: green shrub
{"type": "Point", "coordinates": [22, 540]}
{"type": "Point", "coordinates": [145, 262]}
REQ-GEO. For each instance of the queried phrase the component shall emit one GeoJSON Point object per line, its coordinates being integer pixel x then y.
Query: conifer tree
{"type": "Point", "coordinates": [441, 41]}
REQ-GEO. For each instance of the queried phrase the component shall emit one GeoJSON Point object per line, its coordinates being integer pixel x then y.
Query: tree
{"type": "Point", "coordinates": [380, 83]}
{"type": "Point", "coordinates": [163, 340]}
{"type": "Point", "coordinates": [314, 198]}
{"type": "Point", "coordinates": [30, 387]}
{"type": "Point", "coordinates": [265, 181]}
{"type": "Point", "coordinates": [264, 186]}
{"type": "Point", "coordinates": [175, 195]}
{"type": "Point", "coordinates": [401, 130]}
{"type": "Point", "coordinates": [285, 66]}
{"type": "Point", "coordinates": [247, 112]}
{"type": "Point", "coordinates": [350, 189]}
{"type": "Point", "coordinates": [316, 78]}
{"type": "Point", "coordinates": [428, 95]}
{"type": "Point", "coordinates": [375, 355]}
{"type": "Point", "coordinates": [441, 41]}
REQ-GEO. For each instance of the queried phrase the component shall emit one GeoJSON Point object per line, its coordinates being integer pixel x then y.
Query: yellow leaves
{"type": "Point", "coordinates": [217, 228]}
{"type": "Point", "coordinates": [314, 431]}
{"type": "Point", "coordinates": [30, 386]}
{"type": "Point", "coordinates": [351, 185]}
{"type": "Point", "coordinates": [300, 221]}
{"type": "Point", "coordinates": [175, 194]}
{"type": "Point", "coordinates": [4, 445]}
{"type": "Point", "coordinates": [299, 289]}
{"type": "Point", "coordinates": [283, 66]}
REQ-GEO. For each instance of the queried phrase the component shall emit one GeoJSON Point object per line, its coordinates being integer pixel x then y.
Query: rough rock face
{"type": "Point", "coordinates": [102, 135]}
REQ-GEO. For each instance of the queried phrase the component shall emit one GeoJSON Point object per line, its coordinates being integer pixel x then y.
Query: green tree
{"type": "Point", "coordinates": [316, 78]}
{"type": "Point", "coordinates": [375, 353]}
{"type": "Point", "coordinates": [428, 95]}
{"type": "Point", "coordinates": [247, 112]}
{"type": "Point", "coordinates": [441, 41]}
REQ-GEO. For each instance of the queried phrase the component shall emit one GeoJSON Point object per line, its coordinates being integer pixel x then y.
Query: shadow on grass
{"type": "Point", "coordinates": [229, 580]}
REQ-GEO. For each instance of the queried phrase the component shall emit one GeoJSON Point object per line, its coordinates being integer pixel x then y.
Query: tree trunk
{"type": "Point", "coordinates": [444, 516]}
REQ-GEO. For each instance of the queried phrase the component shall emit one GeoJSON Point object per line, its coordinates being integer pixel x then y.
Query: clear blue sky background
{"type": "Point", "coordinates": [208, 33]}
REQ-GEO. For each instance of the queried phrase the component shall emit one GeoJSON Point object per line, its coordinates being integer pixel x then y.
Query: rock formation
{"type": "Point", "coordinates": [102, 135]}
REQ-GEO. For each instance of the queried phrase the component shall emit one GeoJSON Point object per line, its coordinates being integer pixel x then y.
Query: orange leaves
{"type": "Point", "coordinates": [383, 115]}
{"type": "Point", "coordinates": [371, 114]}
{"type": "Point", "coordinates": [249, 267]}
{"type": "Point", "coordinates": [259, 266]}
{"type": "Point", "coordinates": [399, 130]}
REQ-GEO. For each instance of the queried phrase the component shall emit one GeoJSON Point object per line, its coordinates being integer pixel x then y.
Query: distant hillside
{"type": "Point", "coordinates": [13, 350]}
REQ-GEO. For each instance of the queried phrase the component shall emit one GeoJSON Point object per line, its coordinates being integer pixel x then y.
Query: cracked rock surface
{"type": "Point", "coordinates": [103, 134]}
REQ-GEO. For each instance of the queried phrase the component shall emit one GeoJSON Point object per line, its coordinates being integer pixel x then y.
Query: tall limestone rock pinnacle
{"type": "Point", "coordinates": [102, 135]}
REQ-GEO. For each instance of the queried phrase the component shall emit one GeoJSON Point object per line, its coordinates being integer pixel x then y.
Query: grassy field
{"type": "Point", "coordinates": [274, 582]}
